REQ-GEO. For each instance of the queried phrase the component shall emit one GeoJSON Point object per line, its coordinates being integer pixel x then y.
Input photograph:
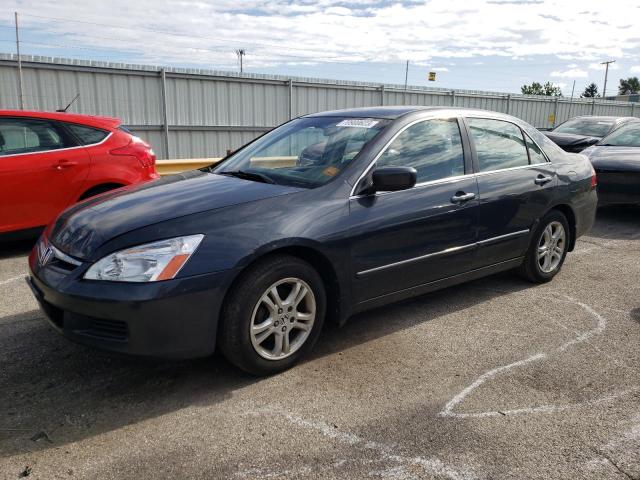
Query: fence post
{"type": "Point", "coordinates": [593, 106]}
{"type": "Point", "coordinates": [453, 98]}
{"type": "Point", "coordinates": [382, 95]}
{"type": "Point", "coordinates": [290, 90]}
{"type": "Point", "coordinates": [165, 119]}
{"type": "Point", "coordinates": [633, 107]}
{"type": "Point", "coordinates": [555, 112]}
{"type": "Point", "coordinates": [508, 104]}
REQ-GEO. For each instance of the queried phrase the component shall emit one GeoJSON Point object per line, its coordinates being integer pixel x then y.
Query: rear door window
{"type": "Point", "coordinates": [25, 135]}
{"type": "Point", "coordinates": [499, 144]}
{"type": "Point", "coordinates": [87, 135]}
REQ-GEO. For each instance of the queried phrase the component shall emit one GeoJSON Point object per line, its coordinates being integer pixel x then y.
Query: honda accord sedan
{"type": "Point", "coordinates": [327, 215]}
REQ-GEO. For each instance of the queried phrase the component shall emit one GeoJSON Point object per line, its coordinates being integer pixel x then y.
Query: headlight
{"type": "Point", "coordinates": [146, 263]}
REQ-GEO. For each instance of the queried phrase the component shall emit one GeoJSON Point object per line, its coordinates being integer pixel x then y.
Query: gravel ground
{"type": "Point", "coordinates": [492, 379]}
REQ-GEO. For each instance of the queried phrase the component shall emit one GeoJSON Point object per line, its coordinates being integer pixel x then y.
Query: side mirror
{"type": "Point", "coordinates": [392, 179]}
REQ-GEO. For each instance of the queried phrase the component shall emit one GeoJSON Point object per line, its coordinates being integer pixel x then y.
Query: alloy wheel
{"type": "Point", "coordinates": [551, 247]}
{"type": "Point", "coordinates": [282, 319]}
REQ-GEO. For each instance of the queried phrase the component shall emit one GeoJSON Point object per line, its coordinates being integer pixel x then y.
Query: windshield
{"type": "Point", "coordinates": [306, 152]}
{"type": "Point", "coordinates": [628, 136]}
{"type": "Point", "coordinates": [590, 127]}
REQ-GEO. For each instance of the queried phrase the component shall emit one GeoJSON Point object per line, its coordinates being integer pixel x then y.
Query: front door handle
{"type": "Point", "coordinates": [461, 197]}
{"type": "Point", "coordinates": [542, 179]}
{"type": "Point", "coordinates": [62, 164]}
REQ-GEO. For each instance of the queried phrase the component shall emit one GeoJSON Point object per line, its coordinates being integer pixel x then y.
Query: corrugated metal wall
{"type": "Point", "coordinates": [209, 112]}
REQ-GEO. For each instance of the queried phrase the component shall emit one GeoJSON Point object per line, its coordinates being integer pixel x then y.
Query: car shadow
{"type": "Point", "coordinates": [54, 392]}
{"type": "Point", "coordinates": [616, 223]}
{"type": "Point", "coordinates": [16, 248]}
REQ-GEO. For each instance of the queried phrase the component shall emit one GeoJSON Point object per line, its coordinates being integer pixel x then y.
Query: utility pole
{"type": "Point", "coordinates": [606, 73]}
{"type": "Point", "coordinates": [20, 85]}
{"type": "Point", "coordinates": [406, 75]}
{"type": "Point", "coordinates": [240, 53]}
{"type": "Point", "coordinates": [573, 89]}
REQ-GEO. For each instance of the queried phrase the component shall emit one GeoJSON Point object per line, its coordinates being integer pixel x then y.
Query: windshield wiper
{"type": "Point", "coordinates": [255, 176]}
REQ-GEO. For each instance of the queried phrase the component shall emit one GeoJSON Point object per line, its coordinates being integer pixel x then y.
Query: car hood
{"type": "Point", "coordinates": [604, 157]}
{"type": "Point", "coordinates": [571, 140]}
{"type": "Point", "coordinates": [81, 229]}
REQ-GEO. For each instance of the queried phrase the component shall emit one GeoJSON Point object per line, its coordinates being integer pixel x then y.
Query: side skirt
{"type": "Point", "coordinates": [436, 285]}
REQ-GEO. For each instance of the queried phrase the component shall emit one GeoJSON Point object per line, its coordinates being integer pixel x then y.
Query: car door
{"type": "Point", "coordinates": [41, 171]}
{"type": "Point", "coordinates": [411, 237]}
{"type": "Point", "coordinates": [516, 184]}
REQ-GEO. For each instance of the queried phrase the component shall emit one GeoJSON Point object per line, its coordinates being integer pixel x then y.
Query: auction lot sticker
{"type": "Point", "coordinates": [358, 122]}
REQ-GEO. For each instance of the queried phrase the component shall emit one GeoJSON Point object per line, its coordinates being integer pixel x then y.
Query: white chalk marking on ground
{"type": "Point", "coordinates": [432, 465]}
{"type": "Point", "coordinates": [12, 279]}
{"type": "Point", "coordinates": [601, 324]}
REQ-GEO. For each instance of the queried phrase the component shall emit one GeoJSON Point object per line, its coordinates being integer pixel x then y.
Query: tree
{"type": "Point", "coordinates": [629, 86]}
{"type": "Point", "coordinates": [548, 89]}
{"type": "Point", "coordinates": [590, 91]}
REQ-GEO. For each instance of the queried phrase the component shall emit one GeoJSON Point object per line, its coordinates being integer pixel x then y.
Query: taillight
{"type": "Point", "coordinates": [139, 149]}
{"type": "Point", "coordinates": [594, 178]}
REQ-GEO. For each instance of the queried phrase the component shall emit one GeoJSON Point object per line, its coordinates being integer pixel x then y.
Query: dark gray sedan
{"type": "Point", "coordinates": [616, 159]}
{"type": "Point", "coordinates": [578, 133]}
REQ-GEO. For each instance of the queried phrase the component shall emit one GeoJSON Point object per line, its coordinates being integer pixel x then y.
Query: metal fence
{"type": "Point", "coordinates": [192, 113]}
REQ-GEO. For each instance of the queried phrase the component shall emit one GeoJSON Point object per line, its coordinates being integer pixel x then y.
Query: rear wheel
{"type": "Point", "coordinates": [548, 249]}
{"type": "Point", "coordinates": [273, 316]}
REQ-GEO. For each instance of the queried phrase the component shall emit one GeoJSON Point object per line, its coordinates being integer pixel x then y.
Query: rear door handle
{"type": "Point", "coordinates": [461, 197]}
{"type": "Point", "coordinates": [542, 179]}
{"type": "Point", "coordinates": [62, 164]}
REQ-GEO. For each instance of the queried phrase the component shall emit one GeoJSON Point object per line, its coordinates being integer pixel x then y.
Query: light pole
{"type": "Point", "coordinates": [241, 53]}
{"type": "Point", "coordinates": [20, 83]}
{"type": "Point", "coordinates": [606, 73]}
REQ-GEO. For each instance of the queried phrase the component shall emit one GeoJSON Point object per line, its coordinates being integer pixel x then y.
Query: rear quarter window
{"type": "Point", "coordinates": [87, 135]}
{"type": "Point", "coordinates": [553, 151]}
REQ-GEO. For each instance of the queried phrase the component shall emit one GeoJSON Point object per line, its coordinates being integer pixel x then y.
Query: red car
{"type": "Point", "coordinates": [49, 161]}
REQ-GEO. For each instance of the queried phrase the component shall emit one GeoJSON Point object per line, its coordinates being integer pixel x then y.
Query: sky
{"type": "Point", "coordinates": [494, 45]}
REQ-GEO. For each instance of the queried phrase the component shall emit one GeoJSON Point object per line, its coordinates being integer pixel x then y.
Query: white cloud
{"type": "Point", "coordinates": [573, 73]}
{"type": "Point", "coordinates": [278, 32]}
{"type": "Point", "coordinates": [635, 69]}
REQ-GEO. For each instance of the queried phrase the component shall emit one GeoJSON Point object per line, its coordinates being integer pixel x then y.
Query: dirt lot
{"type": "Point", "coordinates": [493, 379]}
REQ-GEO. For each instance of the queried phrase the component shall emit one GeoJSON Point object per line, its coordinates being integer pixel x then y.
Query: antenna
{"type": "Point", "coordinates": [70, 103]}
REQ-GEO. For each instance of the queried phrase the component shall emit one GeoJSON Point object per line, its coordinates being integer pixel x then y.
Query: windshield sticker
{"type": "Point", "coordinates": [358, 122]}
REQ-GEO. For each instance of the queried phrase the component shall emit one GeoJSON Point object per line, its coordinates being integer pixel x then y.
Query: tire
{"type": "Point", "coordinates": [538, 269]}
{"type": "Point", "coordinates": [252, 303]}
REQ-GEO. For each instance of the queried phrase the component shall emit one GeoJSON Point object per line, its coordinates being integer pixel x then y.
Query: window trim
{"type": "Point", "coordinates": [40, 152]}
{"type": "Point", "coordinates": [465, 154]}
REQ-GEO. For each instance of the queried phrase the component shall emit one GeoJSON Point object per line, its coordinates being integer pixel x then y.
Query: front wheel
{"type": "Point", "coordinates": [548, 249]}
{"type": "Point", "coordinates": [273, 315]}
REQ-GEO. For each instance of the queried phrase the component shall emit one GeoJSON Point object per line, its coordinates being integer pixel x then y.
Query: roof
{"type": "Point", "coordinates": [391, 112]}
{"type": "Point", "coordinates": [92, 120]}
{"type": "Point", "coordinates": [394, 112]}
{"type": "Point", "coordinates": [602, 118]}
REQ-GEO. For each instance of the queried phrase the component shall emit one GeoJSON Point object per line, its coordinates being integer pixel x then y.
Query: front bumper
{"type": "Point", "coordinates": [172, 319]}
